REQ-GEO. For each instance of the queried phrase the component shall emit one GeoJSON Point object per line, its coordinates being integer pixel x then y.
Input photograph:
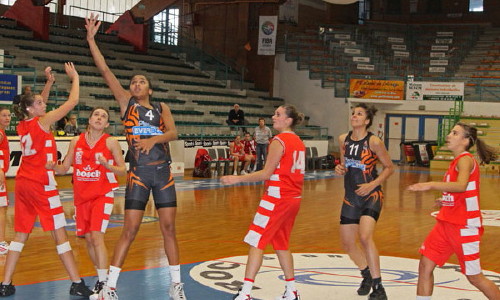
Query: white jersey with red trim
{"type": "Point", "coordinates": [462, 208]}
{"type": "Point", "coordinates": [90, 178]}
{"type": "Point", "coordinates": [38, 147]}
{"type": "Point", "coordinates": [288, 177]}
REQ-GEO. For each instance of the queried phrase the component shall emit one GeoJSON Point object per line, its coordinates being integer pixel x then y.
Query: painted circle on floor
{"type": "Point", "coordinates": [490, 217]}
{"type": "Point", "coordinates": [333, 276]}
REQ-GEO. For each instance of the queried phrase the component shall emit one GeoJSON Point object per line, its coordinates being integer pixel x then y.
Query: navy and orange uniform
{"type": "Point", "coordinates": [93, 185]}
{"type": "Point", "coordinates": [459, 223]}
{"type": "Point", "coordinates": [361, 167]}
{"type": "Point", "coordinates": [148, 172]}
{"type": "Point", "coordinates": [36, 188]}
{"type": "Point", "coordinates": [280, 203]}
{"type": "Point", "coordinates": [4, 165]}
{"type": "Point", "coordinates": [142, 123]}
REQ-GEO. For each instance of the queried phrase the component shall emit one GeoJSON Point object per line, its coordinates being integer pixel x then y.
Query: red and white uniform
{"type": "Point", "coordinates": [4, 165]}
{"type": "Point", "coordinates": [93, 185]}
{"type": "Point", "coordinates": [280, 203]}
{"type": "Point", "coordinates": [237, 149]}
{"type": "Point", "coordinates": [249, 147]}
{"type": "Point", "coordinates": [459, 227]}
{"type": "Point", "coordinates": [36, 188]}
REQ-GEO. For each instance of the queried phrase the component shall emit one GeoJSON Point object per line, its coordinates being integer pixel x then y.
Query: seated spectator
{"type": "Point", "coordinates": [61, 125]}
{"type": "Point", "coordinates": [236, 117]}
{"type": "Point", "coordinates": [17, 98]}
{"type": "Point", "coordinates": [262, 136]}
{"type": "Point", "coordinates": [237, 154]}
{"type": "Point", "coordinates": [71, 128]}
{"type": "Point", "coordinates": [250, 151]}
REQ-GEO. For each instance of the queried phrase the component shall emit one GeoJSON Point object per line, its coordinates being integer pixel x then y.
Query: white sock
{"type": "Point", "coordinates": [114, 272]}
{"type": "Point", "coordinates": [423, 298]}
{"type": "Point", "coordinates": [290, 285]}
{"type": "Point", "coordinates": [175, 272]}
{"type": "Point", "coordinates": [102, 274]}
{"type": "Point", "coordinates": [247, 287]}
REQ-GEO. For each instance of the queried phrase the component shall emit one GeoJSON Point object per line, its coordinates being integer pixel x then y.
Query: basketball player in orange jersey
{"type": "Point", "coordinates": [4, 167]}
{"type": "Point", "coordinates": [459, 223]}
{"type": "Point", "coordinates": [96, 157]}
{"type": "Point", "coordinates": [36, 191]}
{"type": "Point", "coordinates": [360, 151]}
{"type": "Point", "coordinates": [273, 222]}
{"type": "Point", "coordinates": [148, 129]}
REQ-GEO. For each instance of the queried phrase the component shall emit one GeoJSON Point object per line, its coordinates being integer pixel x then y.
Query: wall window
{"type": "Point", "coordinates": [476, 5]}
{"type": "Point", "coordinates": [166, 27]}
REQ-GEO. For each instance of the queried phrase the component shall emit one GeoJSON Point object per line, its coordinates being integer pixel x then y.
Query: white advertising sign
{"type": "Point", "coordinates": [268, 25]}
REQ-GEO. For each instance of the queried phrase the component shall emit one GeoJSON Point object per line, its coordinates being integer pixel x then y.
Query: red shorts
{"type": "Point", "coordinates": [94, 215]}
{"type": "Point", "coordinates": [273, 223]}
{"type": "Point", "coordinates": [240, 157]}
{"type": "Point", "coordinates": [4, 199]}
{"type": "Point", "coordinates": [446, 238]}
{"type": "Point", "coordinates": [34, 199]}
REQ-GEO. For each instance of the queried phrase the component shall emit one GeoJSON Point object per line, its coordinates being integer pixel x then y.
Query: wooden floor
{"type": "Point", "coordinates": [212, 221]}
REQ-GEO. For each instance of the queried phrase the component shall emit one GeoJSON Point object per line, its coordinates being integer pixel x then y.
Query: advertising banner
{"type": "Point", "coordinates": [8, 88]}
{"type": "Point", "coordinates": [425, 90]}
{"type": "Point", "coordinates": [376, 89]}
{"type": "Point", "coordinates": [268, 25]}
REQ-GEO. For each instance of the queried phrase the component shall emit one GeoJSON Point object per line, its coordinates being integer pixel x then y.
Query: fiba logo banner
{"type": "Point", "coordinates": [490, 217]}
{"type": "Point", "coordinates": [267, 35]}
{"type": "Point", "coordinates": [323, 276]}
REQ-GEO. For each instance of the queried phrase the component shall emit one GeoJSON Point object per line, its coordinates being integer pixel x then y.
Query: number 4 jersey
{"type": "Point", "coordinates": [38, 147]}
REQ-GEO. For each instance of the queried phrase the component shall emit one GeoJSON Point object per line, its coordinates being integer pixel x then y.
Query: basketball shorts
{"type": "Point", "coordinates": [4, 199]}
{"type": "Point", "coordinates": [273, 223]}
{"type": "Point", "coordinates": [94, 215]}
{"type": "Point", "coordinates": [34, 199]}
{"type": "Point", "coordinates": [142, 180]}
{"type": "Point", "coordinates": [446, 238]}
{"type": "Point", "coordinates": [355, 206]}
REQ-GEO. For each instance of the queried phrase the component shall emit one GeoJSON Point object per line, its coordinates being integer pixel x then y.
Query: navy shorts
{"type": "Point", "coordinates": [142, 180]}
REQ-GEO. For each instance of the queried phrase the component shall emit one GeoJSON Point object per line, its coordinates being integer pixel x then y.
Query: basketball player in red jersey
{"type": "Point", "coordinates": [36, 192]}
{"type": "Point", "coordinates": [360, 151]}
{"type": "Point", "coordinates": [148, 128]}
{"type": "Point", "coordinates": [273, 222]}
{"type": "Point", "coordinates": [4, 167]}
{"type": "Point", "coordinates": [96, 157]}
{"type": "Point", "coordinates": [459, 223]}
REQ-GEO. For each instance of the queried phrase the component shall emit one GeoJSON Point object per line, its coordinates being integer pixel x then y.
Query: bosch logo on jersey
{"type": "Point", "coordinates": [87, 174]}
{"type": "Point", "coordinates": [146, 130]}
{"type": "Point", "coordinates": [354, 163]}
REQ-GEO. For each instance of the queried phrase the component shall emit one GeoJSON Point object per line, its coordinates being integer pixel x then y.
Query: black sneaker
{"type": "Point", "coordinates": [378, 294]}
{"type": "Point", "coordinates": [7, 290]}
{"type": "Point", "coordinates": [98, 286]}
{"type": "Point", "coordinates": [365, 286]}
{"type": "Point", "coordinates": [80, 289]}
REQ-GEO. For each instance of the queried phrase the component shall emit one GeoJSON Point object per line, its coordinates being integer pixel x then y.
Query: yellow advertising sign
{"type": "Point", "coordinates": [376, 89]}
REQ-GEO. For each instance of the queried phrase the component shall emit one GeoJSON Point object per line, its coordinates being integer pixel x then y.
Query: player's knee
{"type": "Point", "coordinates": [130, 233]}
{"type": "Point", "coordinates": [63, 248]}
{"type": "Point", "coordinates": [16, 246]}
{"type": "Point", "coordinates": [475, 280]}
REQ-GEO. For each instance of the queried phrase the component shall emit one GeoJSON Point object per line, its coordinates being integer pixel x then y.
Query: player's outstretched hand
{"type": "Point", "coordinates": [70, 70]}
{"type": "Point", "coordinates": [92, 25]}
{"type": "Point", "coordinates": [231, 179]}
{"type": "Point", "coordinates": [49, 75]}
{"type": "Point", "coordinates": [419, 187]}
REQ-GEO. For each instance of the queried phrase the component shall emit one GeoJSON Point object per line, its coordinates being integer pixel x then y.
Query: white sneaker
{"type": "Point", "coordinates": [289, 295]}
{"type": "Point", "coordinates": [243, 173]}
{"type": "Point", "coordinates": [235, 173]}
{"type": "Point", "coordinates": [241, 296]}
{"type": "Point", "coordinates": [4, 247]}
{"type": "Point", "coordinates": [108, 293]}
{"type": "Point", "coordinates": [176, 291]}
